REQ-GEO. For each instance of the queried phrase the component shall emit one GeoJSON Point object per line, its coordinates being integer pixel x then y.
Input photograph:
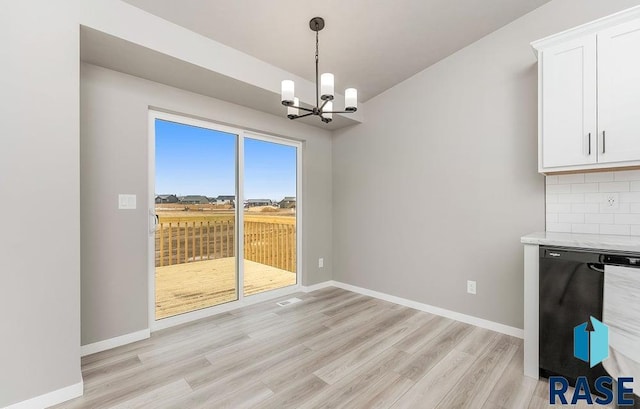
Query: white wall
{"type": "Point", "coordinates": [440, 182]}
{"type": "Point", "coordinates": [114, 141]}
{"type": "Point", "coordinates": [577, 203]}
{"type": "Point", "coordinates": [40, 181]}
{"type": "Point", "coordinates": [40, 199]}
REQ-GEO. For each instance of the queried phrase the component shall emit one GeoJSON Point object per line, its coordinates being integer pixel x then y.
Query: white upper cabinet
{"type": "Point", "coordinates": [589, 96]}
{"type": "Point", "coordinates": [619, 93]}
{"type": "Point", "coordinates": [569, 108]}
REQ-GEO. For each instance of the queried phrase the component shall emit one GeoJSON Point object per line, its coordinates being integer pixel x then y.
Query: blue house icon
{"type": "Point", "coordinates": [591, 344]}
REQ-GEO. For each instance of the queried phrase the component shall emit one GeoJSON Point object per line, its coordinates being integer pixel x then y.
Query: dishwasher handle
{"type": "Point", "coordinates": [596, 267]}
{"type": "Point", "coordinates": [620, 260]}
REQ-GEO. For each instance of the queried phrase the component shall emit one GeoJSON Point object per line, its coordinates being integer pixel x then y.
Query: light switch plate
{"type": "Point", "coordinates": [126, 202]}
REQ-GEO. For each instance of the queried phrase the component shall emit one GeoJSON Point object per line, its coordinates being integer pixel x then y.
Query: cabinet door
{"type": "Point", "coordinates": [619, 93]}
{"type": "Point", "coordinates": [568, 96]}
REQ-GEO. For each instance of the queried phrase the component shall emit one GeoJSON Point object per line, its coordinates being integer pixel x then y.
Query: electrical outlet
{"type": "Point", "coordinates": [471, 287]}
{"type": "Point", "coordinates": [611, 200]}
{"type": "Point", "coordinates": [320, 262]}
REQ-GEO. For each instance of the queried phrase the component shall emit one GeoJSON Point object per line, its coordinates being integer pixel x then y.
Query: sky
{"type": "Point", "coordinates": [199, 161]}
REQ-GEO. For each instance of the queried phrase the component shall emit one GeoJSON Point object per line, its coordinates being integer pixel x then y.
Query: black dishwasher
{"type": "Point", "coordinates": [571, 289]}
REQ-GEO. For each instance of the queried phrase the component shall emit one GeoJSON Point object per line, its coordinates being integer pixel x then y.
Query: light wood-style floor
{"type": "Point", "coordinates": [334, 349]}
{"type": "Point", "coordinates": [188, 287]}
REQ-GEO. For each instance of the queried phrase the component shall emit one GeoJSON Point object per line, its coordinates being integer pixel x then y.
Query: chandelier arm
{"type": "Point", "coordinates": [304, 109]}
{"type": "Point", "coordinates": [338, 112]}
{"type": "Point", "coordinates": [323, 104]}
{"type": "Point", "coordinates": [301, 116]}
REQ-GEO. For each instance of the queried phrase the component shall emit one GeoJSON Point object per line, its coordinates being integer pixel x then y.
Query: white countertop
{"type": "Point", "coordinates": [584, 241]}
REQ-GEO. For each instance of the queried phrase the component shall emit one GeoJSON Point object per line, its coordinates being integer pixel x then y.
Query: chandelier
{"type": "Point", "coordinates": [324, 92]}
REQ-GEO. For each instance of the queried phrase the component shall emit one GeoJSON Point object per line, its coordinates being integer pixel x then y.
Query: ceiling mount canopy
{"type": "Point", "coordinates": [324, 91]}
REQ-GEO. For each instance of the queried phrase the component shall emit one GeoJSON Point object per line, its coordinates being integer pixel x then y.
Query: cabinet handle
{"type": "Point", "coordinates": [604, 135]}
{"type": "Point", "coordinates": [589, 143]}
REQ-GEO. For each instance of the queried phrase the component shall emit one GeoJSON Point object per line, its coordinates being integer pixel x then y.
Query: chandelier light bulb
{"type": "Point", "coordinates": [350, 99]}
{"type": "Point", "coordinates": [293, 111]}
{"type": "Point", "coordinates": [328, 107]}
{"type": "Point", "coordinates": [326, 86]}
{"type": "Point", "coordinates": [287, 92]}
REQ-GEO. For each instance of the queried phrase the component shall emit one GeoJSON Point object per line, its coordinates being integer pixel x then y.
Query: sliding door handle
{"type": "Point", "coordinates": [153, 226]}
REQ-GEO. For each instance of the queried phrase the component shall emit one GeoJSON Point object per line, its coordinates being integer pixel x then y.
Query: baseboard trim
{"type": "Point", "coordinates": [51, 398]}
{"type": "Point", "coordinates": [114, 342]}
{"type": "Point", "coordinates": [468, 319]}
{"type": "Point", "coordinates": [316, 287]}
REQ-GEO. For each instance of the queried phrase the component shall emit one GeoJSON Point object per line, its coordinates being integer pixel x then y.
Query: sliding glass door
{"type": "Point", "coordinates": [218, 192]}
{"type": "Point", "coordinates": [195, 191]}
{"type": "Point", "coordinates": [270, 214]}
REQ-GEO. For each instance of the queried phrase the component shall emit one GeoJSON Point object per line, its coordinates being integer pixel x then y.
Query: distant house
{"type": "Point", "coordinates": [258, 202]}
{"type": "Point", "coordinates": [225, 199]}
{"type": "Point", "coordinates": [289, 202]}
{"type": "Point", "coordinates": [194, 199]}
{"type": "Point", "coordinates": [167, 199]}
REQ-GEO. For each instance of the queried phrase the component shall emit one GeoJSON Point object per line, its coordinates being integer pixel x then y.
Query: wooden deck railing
{"type": "Point", "coordinates": [269, 240]}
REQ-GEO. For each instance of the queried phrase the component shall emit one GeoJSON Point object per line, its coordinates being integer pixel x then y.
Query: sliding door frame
{"type": "Point", "coordinates": [299, 206]}
{"type": "Point", "coordinates": [241, 300]}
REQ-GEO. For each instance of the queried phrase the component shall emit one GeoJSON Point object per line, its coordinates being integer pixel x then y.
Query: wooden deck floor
{"type": "Point", "coordinates": [187, 287]}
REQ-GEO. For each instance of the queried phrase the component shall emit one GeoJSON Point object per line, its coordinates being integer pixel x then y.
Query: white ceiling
{"type": "Point", "coordinates": [114, 53]}
{"type": "Point", "coordinates": [368, 44]}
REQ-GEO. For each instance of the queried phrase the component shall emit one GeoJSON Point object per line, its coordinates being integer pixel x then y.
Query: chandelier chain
{"type": "Point", "coordinates": [317, 95]}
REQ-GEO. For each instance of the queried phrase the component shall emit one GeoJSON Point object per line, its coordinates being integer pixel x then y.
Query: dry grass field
{"type": "Point", "coordinates": [174, 209]}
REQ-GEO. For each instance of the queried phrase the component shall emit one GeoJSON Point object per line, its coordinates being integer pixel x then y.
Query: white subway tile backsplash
{"type": "Point", "coordinates": [627, 175]}
{"type": "Point", "coordinates": [559, 227]}
{"type": "Point", "coordinates": [623, 229]}
{"type": "Point", "coordinates": [585, 208]}
{"type": "Point", "coordinates": [558, 188]}
{"type": "Point", "coordinates": [559, 208]}
{"type": "Point", "coordinates": [598, 177]}
{"type": "Point", "coordinates": [585, 228]}
{"type": "Point", "coordinates": [634, 207]}
{"type": "Point", "coordinates": [622, 208]}
{"type": "Point", "coordinates": [614, 187]}
{"type": "Point", "coordinates": [584, 188]}
{"type": "Point", "coordinates": [576, 203]}
{"type": "Point", "coordinates": [599, 218]}
{"type": "Point", "coordinates": [571, 178]}
{"type": "Point", "coordinates": [551, 180]}
{"type": "Point", "coordinates": [571, 218]}
{"type": "Point", "coordinates": [627, 218]}
{"type": "Point", "coordinates": [570, 198]}
{"type": "Point", "coordinates": [629, 197]}
{"type": "Point", "coordinates": [593, 198]}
